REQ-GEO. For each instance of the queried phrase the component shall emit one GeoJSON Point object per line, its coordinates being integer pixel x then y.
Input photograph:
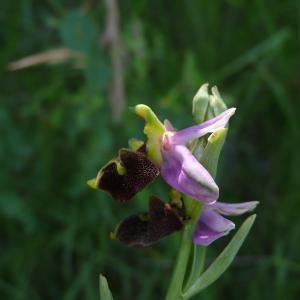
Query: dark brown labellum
{"type": "Point", "coordinates": [138, 172]}
{"type": "Point", "coordinates": [148, 228]}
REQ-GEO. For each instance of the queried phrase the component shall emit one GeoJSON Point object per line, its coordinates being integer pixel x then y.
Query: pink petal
{"type": "Point", "coordinates": [182, 171]}
{"type": "Point", "coordinates": [194, 132]}
{"type": "Point", "coordinates": [168, 125]}
{"type": "Point", "coordinates": [234, 209]}
{"type": "Point", "coordinates": [210, 227]}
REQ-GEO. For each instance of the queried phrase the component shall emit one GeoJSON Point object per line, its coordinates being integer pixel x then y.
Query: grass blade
{"type": "Point", "coordinates": [105, 293]}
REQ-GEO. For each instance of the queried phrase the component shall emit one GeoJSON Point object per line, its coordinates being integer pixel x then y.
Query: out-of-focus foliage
{"type": "Point", "coordinates": [56, 131]}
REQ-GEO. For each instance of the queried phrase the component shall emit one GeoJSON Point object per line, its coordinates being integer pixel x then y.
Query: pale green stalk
{"type": "Point", "coordinates": [193, 209]}
{"type": "Point", "coordinates": [197, 265]}
{"type": "Point", "coordinates": [175, 287]}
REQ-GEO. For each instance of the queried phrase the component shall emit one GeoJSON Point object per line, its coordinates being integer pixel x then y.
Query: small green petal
{"type": "Point", "coordinates": [135, 144]}
{"type": "Point", "coordinates": [92, 183]}
{"type": "Point", "coordinates": [154, 130]}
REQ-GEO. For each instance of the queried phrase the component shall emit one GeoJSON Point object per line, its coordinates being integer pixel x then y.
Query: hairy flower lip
{"type": "Point", "coordinates": [126, 175]}
{"type": "Point", "coordinates": [146, 229]}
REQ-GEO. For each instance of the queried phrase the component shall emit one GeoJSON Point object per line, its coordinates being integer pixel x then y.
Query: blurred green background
{"type": "Point", "coordinates": [60, 122]}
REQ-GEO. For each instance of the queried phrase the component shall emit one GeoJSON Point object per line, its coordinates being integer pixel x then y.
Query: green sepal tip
{"type": "Point", "coordinates": [154, 131]}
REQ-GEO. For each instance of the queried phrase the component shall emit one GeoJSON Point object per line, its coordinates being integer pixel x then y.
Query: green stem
{"type": "Point", "coordinates": [175, 287]}
{"type": "Point", "coordinates": [193, 209]}
{"type": "Point", "coordinates": [199, 253]}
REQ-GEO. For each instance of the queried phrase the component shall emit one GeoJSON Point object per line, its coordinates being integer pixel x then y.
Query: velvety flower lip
{"type": "Point", "coordinates": [126, 175]}
{"type": "Point", "coordinates": [146, 229]}
{"type": "Point", "coordinates": [181, 169]}
{"type": "Point", "coordinates": [212, 225]}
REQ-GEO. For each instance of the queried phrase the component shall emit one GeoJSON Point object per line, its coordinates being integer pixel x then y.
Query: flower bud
{"type": "Point", "coordinates": [207, 106]}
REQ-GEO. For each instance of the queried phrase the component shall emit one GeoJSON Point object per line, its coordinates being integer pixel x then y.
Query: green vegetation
{"type": "Point", "coordinates": [58, 125]}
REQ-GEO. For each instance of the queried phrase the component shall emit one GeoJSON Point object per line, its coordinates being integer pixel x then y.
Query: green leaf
{"type": "Point", "coordinates": [105, 293]}
{"type": "Point", "coordinates": [222, 262]}
{"type": "Point", "coordinates": [210, 156]}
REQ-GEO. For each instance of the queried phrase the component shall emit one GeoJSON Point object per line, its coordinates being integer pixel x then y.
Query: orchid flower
{"type": "Point", "coordinates": [212, 225]}
{"type": "Point", "coordinates": [178, 166]}
{"type": "Point", "coordinates": [182, 171]}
